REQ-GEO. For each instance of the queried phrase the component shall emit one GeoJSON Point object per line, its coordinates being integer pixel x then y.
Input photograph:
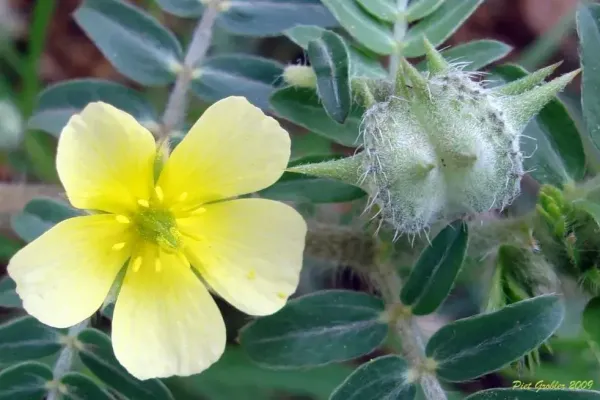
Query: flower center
{"type": "Point", "coordinates": [157, 226]}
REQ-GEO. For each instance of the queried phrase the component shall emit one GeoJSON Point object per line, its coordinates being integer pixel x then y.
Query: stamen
{"type": "Point", "coordinates": [251, 275]}
{"type": "Point", "coordinates": [159, 193]}
{"type": "Point", "coordinates": [118, 246]}
{"type": "Point", "coordinates": [143, 203]}
{"type": "Point", "coordinates": [137, 263]}
{"type": "Point", "coordinates": [123, 219]}
{"type": "Point", "coordinates": [282, 295]}
{"type": "Point", "coordinates": [199, 210]}
{"type": "Point", "coordinates": [157, 265]}
{"type": "Point", "coordinates": [183, 196]}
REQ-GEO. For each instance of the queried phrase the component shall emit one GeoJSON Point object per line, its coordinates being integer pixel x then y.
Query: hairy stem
{"type": "Point", "coordinates": [65, 359]}
{"type": "Point", "coordinates": [399, 32]}
{"type": "Point", "coordinates": [404, 325]}
{"type": "Point", "coordinates": [414, 351]}
{"type": "Point", "coordinates": [197, 50]}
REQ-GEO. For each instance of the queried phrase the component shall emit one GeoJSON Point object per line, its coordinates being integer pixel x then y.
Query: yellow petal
{"type": "Point", "coordinates": [165, 323]}
{"type": "Point", "coordinates": [232, 150]}
{"type": "Point", "coordinates": [64, 276]}
{"type": "Point", "coordinates": [105, 159]}
{"type": "Point", "coordinates": [249, 251]}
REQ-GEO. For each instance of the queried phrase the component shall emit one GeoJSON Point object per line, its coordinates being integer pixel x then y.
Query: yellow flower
{"type": "Point", "coordinates": [166, 231]}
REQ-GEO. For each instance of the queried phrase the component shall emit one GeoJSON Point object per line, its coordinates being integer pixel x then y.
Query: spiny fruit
{"type": "Point", "coordinates": [440, 144]}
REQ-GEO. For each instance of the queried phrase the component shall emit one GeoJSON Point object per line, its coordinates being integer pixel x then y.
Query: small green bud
{"type": "Point", "coordinates": [300, 76]}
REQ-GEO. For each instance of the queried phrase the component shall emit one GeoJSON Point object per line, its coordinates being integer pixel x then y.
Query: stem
{"type": "Point", "coordinates": [65, 359]}
{"type": "Point", "coordinates": [404, 325]}
{"type": "Point", "coordinates": [400, 28]}
{"type": "Point", "coordinates": [413, 350]}
{"type": "Point", "coordinates": [42, 15]}
{"type": "Point", "coordinates": [197, 50]}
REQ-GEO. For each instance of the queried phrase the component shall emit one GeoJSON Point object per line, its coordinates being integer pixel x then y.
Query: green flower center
{"type": "Point", "coordinates": [158, 226]}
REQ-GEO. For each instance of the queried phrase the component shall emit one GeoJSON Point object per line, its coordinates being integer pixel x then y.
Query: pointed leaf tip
{"type": "Point", "coordinates": [436, 63]}
{"type": "Point", "coordinates": [527, 82]}
{"type": "Point", "coordinates": [418, 81]}
{"type": "Point", "coordinates": [522, 107]}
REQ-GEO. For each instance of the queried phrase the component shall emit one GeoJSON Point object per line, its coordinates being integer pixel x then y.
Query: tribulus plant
{"type": "Point", "coordinates": [398, 214]}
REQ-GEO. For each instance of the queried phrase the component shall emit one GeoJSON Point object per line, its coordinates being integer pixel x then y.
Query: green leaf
{"type": "Point", "coordinates": [317, 329]}
{"type": "Point", "coordinates": [80, 387]}
{"type": "Point", "coordinates": [364, 28]}
{"type": "Point", "coordinates": [59, 102]}
{"type": "Point", "coordinates": [11, 124]}
{"type": "Point", "coordinates": [26, 338]}
{"type": "Point", "coordinates": [433, 276]}
{"type": "Point", "coordinates": [329, 58]}
{"type": "Point", "coordinates": [588, 29]}
{"type": "Point", "coordinates": [476, 54]}
{"type": "Point", "coordinates": [237, 75]}
{"type": "Point", "coordinates": [258, 18]}
{"type": "Point", "coordinates": [438, 26]}
{"type": "Point", "coordinates": [591, 319]}
{"type": "Point", "coordinates": [383, 9]}
{"type": "Point", "coordinates": [474, 346]}
{"type": "Point", "coordinates": [25, 381]}
{"type": "Point", "coordinates": [97, 354]}
{"type": "Point", "coordinates": [559, 147]}
{"type": "Point", "coordinates": [299, 187]}
{"type": "Point", "coordinates": [380, 378]}
{"type": "Point", "coordinates": [235, 377]}
{"type": "Point", "coordinates": [271, 17]}
{"type": "Point", "coordinates": [360, 63]}
{"type": "Point", "coordinates": [8, 247]}
{"type": "Point", "coordinates": [8, 296]}
{"type": "Point", "coordinates": [39, 215]}
{"type": "Point", "coordinates": [133, 41]}
{"type": "Point", "coordinates": [301, 106]}
{"type": "Point", "coordinates": [309, 144]}
{"type": "Point", "coordinates": [533, 394]}
{"type": "Point", "coordinates": [419, 9]}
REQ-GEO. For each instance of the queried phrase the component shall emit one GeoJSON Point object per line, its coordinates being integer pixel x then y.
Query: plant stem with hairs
{"type": "Point", "coordinates": [65, 359]}
{"type": "Point", "coordinates": [197, 50]}
{"type": "Point", "coordinates": [399, 32]}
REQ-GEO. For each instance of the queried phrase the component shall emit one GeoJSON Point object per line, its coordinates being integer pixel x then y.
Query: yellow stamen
{"type": "Point", "coordinates": [157, 265]}
{"type": "Point", "coordinates": [118, 246]}
{"type": "Point", "coordinates": [143, 203]}
{"type": "Point", "coordinates": [251, 275]}
{"type": "Point", "coordinates": [123, 219]}
{"type": "Point", "coordinates": [199, 210]}
{"type": "Point", "coordinates": [183, 196]}
{"type": "Point", "coordinates": [282, 295]}
{"type": "Point", "coordinates": [137, 263]}
{"type": "Point", "coordinates": [159, 193]}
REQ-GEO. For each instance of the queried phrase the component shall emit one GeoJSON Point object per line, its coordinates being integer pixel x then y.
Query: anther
{"type": "Point", "coordinates": [143, 203]}
{"type": "Point", "coordinates": [183, 196]}
{"type": "Point", "coordinates": [137, 263]}
{"type": "Point", "coordinates": [251, 275]}
{"type": "Point", "coordinates": [157, 265]}
{"type": "Point", "coordinates": [282, 295]}
{"type": "Point", "coordinates": [198, 211]}
{"type": "Point", "coordinates": [122, 219]}
{"type": "Point", "coordinates": [118, 246]}
{"type": "Point", "coordinates": [159, 193]}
